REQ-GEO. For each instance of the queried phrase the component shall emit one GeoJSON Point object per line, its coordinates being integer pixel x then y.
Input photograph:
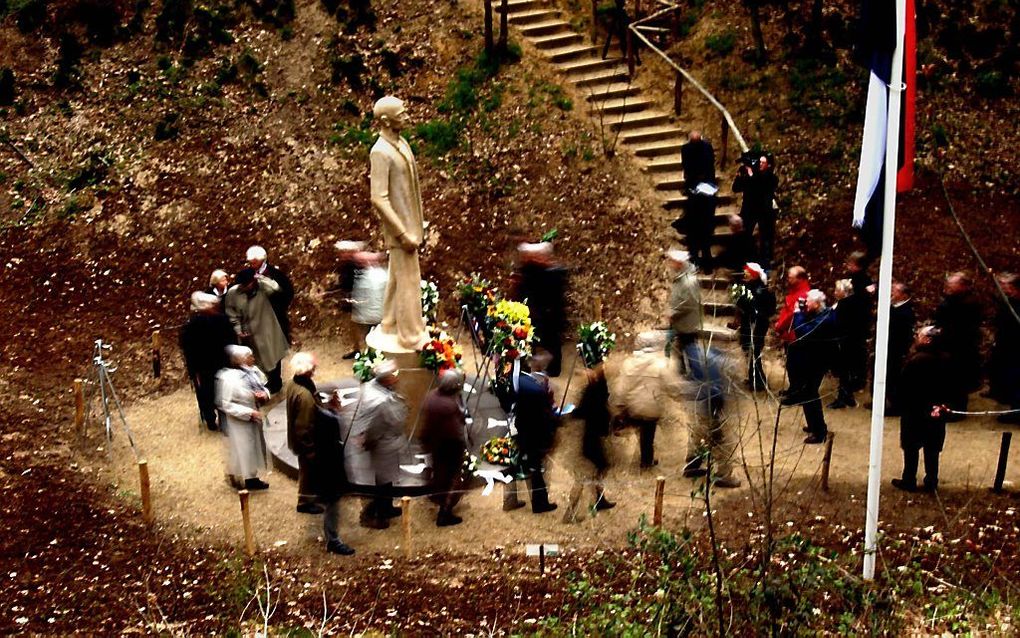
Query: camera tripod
{"type": "Point", "coordinates": [101, 383]}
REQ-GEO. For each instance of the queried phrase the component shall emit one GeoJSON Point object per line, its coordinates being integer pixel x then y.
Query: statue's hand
{"type": "Point", "coordinates": [407, 244]}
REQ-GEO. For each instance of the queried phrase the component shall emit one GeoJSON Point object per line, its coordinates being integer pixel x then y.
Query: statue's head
{"type": "Point", "coordinates": [389, 111]}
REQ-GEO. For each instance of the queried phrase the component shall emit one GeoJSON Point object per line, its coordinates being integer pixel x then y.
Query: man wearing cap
{"type": "Point", "coordinates": [685, 316]}
{"type": "Point", "coordinates": [378, 428]}
{"type": "Point", "coordinates": [203, 341]}
{"type": "Point", "coordinates": [249, 308]}
{"type": "Point", "coordinates": [396, 198]}
{"type": "Point", "coordinates": [755, 307]}
{"type": "Point", "coordinates": [541, 283]}
{"type": "Point", "coordinates": [283, 297]}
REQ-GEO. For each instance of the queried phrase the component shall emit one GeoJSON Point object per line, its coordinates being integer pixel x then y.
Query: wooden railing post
{"type": "Point", "coordinates": [595, 22]}
{"type": "Point", "coordinates": [827, 461]}
{"type": "Point", "coordinates": [725, 138]}
{"type": "Point", "coordinates": [678, 94]}
{"type": "Point", "coordinates": [630, 52]}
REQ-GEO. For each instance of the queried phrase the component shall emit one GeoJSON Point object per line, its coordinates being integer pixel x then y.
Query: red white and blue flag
{"type": "Point", "coordinates": [877, 44]}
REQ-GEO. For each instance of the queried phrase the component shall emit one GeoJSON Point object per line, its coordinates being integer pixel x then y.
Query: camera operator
{"type": "Point", "coordinates": [757, 181]}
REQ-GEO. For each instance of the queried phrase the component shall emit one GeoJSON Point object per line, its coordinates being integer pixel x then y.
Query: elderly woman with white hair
{"type": "Point", "coordinates": [240, 390]}
{"type": "Point", "coordinates": [378, 428]}
{"type": "Point", "coordinates": [808, 358]}
{"type": "Point", "coordinates": [203, 342]}
{"type": "Point", "coordinates": [219, 283]}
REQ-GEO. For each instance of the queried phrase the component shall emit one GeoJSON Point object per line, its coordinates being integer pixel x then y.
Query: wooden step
{"type": "Point", "coordinates": [609, 91]}
{"type": "Point", "coordinates": [557, 40]}
{"type": "Point", "coordinates": [718, 281]}
{"type": "Point", "coordinates": [714, 329]}
{"type": "Point", "coordinates": [650, 134]}
{"type": "Point", "coordinates": [589, 66]}
{"type": "Point", "coordinates": [641, 120]}
{"type": "Point", "coordinates": [657, 149]}
{"type": "Point", "coordinates": [571, 52]}
{"type": "Point", "coordinates": [544, 27]}
{"type": "Point", "coordinates": [665, 165]}
{"type": "Point", "coordinates": [621, 105]}
{"type": "Point", "coordinates": [604, 76]}
{"type": "Point", "coordinates": [723, 199]}
{"type": "Point", "coordinates": [515, 6]}
{"type": "Point", "coordinates": [533, 16]}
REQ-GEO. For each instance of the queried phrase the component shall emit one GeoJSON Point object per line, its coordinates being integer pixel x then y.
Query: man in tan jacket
{"type": "Point", "coordinates": [684, 298]}
{"type": "Point", "coordinates": [641, 388]}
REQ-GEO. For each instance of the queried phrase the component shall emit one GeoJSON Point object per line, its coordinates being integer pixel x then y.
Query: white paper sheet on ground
{"type": "Point", "coordinates": [495, 423]}
{"type": "Point", "coordinates": [469, 388]}
{"type": "Point", "coordinates": [413, 469]}
{"type": "Point", "coordinates": [567, 409]}
{"type": "Point", "coordinates": [490, 476]}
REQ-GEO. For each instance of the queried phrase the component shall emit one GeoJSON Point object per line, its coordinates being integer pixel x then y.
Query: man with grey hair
{"type": "Point", "coordinates": [378, 428]}
{"type": "Point", "coordinates": [249, 308]}
{"type": "Point", "coordinates": [257, 260]}
{"type": "Point", "coordinates": [808, 358]}
{"type": "Point", "coordinates": [685, 313]}
{"type": "Point", "coordinates": [203, 342]}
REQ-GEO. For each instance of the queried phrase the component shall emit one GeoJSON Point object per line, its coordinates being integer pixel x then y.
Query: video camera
{"type": "Point", "coordinates": [752, 159]}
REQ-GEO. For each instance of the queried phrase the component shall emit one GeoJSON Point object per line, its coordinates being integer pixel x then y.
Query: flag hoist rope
{"type": "Point", "coordinates": [884, 297]}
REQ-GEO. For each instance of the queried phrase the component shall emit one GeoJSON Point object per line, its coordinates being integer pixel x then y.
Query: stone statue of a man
{"type": "Point", "coordinates": [396, 199]}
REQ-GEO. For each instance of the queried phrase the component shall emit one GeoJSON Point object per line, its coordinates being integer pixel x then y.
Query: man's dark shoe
{"type": "Point", "coordinates": [695, 472]}
{"type": "Point", "coordinates": [928, 488]}
{"type": "Point", "coordinates": [446, 520]}
{"type": "Point", "coordinates": [514, 505]}
{"type": "Point", "coordinates": [814, 439]}
{"type": "Point", "coordinates": [254, 484]}
{"type": "Point", "coordinates": [340, 548]}
{"type": "Point", "coordinates": [310, 508]}
{"type": "Point", "coordinates": [542, 509]}
{"type": "Point", "coordinates": [604, 504]}
{"type": "Point", "coordinates": [900, 484]}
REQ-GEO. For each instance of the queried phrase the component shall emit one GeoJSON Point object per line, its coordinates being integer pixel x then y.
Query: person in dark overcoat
{"type": "Point", "coordinates": [758, 182]}
{"type": "Point", "coordinates": [314, 435]}
{"type": "Point", "coordinates": [203, 341]}
{"type": "Point", "coordinates": [536, 424]}
{"type": "Point", "coordinates": [593, 408]}
{"type": "Point", "coordinates": [541, 283]}
{"type": "Point", "coordinates": [958, 318]}
{"type": "Point", "coordinates": [924, 385]}
{"type": "Point", "coordinates": [809, 357]}
{"type": "Point", "coordinates": [901, 336]}
{"type": "Point", "coordinates": [755, 308]}
{"type": "Point", "coordinates": [1004, 362]}
{"type": "Point", "coordinates": [853, 319]}
{"type": "Point", "coordinates": [698, 160]}
{"type": "Point", "coordinates": [444, 436]}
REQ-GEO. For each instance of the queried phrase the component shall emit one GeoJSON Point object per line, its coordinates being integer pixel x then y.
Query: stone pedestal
{"type": "Point", "coordinates": [413, 382]}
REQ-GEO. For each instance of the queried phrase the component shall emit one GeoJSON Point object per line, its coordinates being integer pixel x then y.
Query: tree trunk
{"type": "Point", "coordinates": [754, 8]}
{"type": "Point", "coordinates": [504, 27]}
{"type": "Point", "coordinates": [814, 35]}
{"type": "Point", "coordinates": [488, 26]}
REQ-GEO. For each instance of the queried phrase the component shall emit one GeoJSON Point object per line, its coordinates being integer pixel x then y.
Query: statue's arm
{"type": "Point", "coordinates": [380, 178]}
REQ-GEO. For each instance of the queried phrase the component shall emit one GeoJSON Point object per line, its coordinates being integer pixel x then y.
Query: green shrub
{"type": "Point", "coordinates": [353, 135]}
{"type": "Point", "coordinates": [992, 84]}
{"type": "Point", "coordinates": [71, 208]}
{"type": "Point", "coordinates": [439, 136]}
{"type": "Point", "coordinates": [721, 44]}
{"type": "Point", "coordinates": [29, 14]}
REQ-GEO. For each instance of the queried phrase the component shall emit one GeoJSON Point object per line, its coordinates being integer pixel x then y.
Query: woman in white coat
{"type": "Point", "coordinates": [240, 389]}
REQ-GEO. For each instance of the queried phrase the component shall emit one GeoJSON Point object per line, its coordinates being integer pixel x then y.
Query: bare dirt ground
{"type": "Point", "coordinates": [191, 494]}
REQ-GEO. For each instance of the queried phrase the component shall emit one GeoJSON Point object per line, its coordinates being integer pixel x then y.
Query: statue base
{"type": "Point", "coordinates": [387, 342]}
{"type": "Point", "coordinates": [413, 382]}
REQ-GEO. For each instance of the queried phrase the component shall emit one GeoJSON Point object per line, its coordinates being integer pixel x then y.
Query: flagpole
{"type": "Point", "coordinates": [884, 297]}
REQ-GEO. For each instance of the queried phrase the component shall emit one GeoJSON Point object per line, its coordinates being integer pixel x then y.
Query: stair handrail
{"type": "Point", "coordinates": [727, 118]}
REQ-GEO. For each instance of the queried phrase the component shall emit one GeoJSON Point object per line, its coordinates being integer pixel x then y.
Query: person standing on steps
{"type": "Point", "coordinates": [618, 23]}
{"type": "Point", "coordinates": [685, 311]}
{"type": "Point", "coordinates": [698, 159]}
{"type": "Point", "coordinates": [924, 385]}
{"type": "Point", "coordinates": [758, 182]}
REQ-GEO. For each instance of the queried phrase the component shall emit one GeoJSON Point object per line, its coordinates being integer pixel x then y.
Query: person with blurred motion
{"type": "Point", "coordinates": [712, 442]}
{"type": "Point", "coordinates": [541, 284]}
{"type": "Point", "coordinates": [685, 311]}
{"type": "Point", "coordinates": [593, 409]}
{"type": "Point", "coordinates": [444, 436]}
{"type": "Point", "coordinates": [204, 340]}
{"type": "Point", "coordinates": [367, 296]}
{"type": "Point", "coordinates": [347, 270]}
{"type": "Point", "coordinates": [958, 318]}
{"type": "Point", "coordinates": [1004, 363]}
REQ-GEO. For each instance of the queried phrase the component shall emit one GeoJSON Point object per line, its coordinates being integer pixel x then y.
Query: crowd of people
{"type": "Point", "coordinates": [239, 333]}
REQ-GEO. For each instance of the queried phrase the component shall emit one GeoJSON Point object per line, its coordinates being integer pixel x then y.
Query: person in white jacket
{"type": "Point", "coordinates": [240, 390]}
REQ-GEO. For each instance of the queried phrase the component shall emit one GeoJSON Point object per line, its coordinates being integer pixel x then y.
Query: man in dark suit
{"type": "Point", "coordinates": [958, 319]}
{"type": "Point", "coordinates": [541, 283]}
{"type": "Point", "coordinates": [281, 301]}
{"type": "Point", "coordinates": [536, 429]}
{"type": "Point", "coordinates": [924, 385]}
{"type": "Point", "coordinates": [698, 160]}
{"type": "Point", "coordinates": [1004, 362]}
{"type": "Point", "coordinates": [901, 336]}
{"type": "Point", "coordinates": [808, 358]}
{"type": "Point", "coordinates": [203, 341]}
{"type": "Point", "coordinates": [758, 182]}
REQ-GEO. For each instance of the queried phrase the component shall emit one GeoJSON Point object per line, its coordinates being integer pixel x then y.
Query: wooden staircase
{"type": "Point", "coordinates": [645, 128]}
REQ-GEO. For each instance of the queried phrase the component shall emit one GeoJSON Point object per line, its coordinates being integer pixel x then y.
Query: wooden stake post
{"type": "Point", "coordinates": [143, 480]}
{"type": "Point", "coordinates": [249, 535]}
{"type": "Point", "coordinates": [1000, 471]}
{"type": "Point", "coordinates": [157, 362]}
{"type": "Point", "coordinates": [405, 524]}
{"type": "Point", "coordinates": [678, 94]}
{"type": "Point", "coordinates": [597, 308]}
{"type": "Point", "coordinates": [79, 406]}
{"type": "Point", "coordinates": [660, 491]}
{"type": "Point", "coordinates": [826, 461]}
